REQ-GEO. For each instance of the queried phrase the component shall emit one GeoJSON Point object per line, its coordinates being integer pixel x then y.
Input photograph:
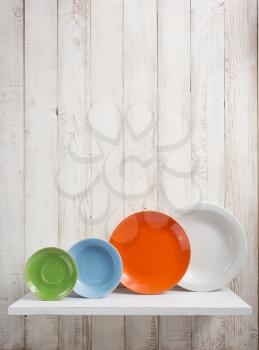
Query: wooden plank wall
{"type": "Point", "coordinates": [86, 84]}
{"type": "Point", "coordinates": [11, 170]}
{"type": "Point", "coordinates": [74, 172]}
{"type": "Point", "coordinates": [40, 149]}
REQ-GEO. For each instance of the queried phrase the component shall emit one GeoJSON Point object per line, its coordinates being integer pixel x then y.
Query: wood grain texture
{"type": "Point", "coordinates": [106, 121]}
{"type": "Point", "coordinates": [102, 83]}
{"type": "Point", "coordinates": [241, 126]}
{"type": "Point", "coordinates": [207, 119]}
{"type": "Point", "coordinates": [74, 147]}
{"type": "Point", "coordinates": [41, 196]}
{"type": "Point", "coordinates": [11, 170]}
{"type": "Point", "coordinates": [207, 96]}
{"type": "Point", "coordinates": [140, 138]}
{"type": "Point", "coordinates": [174, 136]}
{"type": "Point", "coordinates": [108, 332]}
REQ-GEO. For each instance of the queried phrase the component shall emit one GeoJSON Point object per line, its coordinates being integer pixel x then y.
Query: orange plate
{"type": "Point", "coordinates": [155, 251]}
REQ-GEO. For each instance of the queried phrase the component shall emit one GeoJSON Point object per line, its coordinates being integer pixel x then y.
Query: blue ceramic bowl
{"type": "Point", "coordinates": [99, 267]}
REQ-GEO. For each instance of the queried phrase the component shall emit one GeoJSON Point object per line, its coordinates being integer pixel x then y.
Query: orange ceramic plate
{"type": "Point", "coordinates": [155, 251]}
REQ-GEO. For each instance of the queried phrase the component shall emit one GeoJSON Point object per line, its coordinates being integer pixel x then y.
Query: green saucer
{"type": "Point", "coordinates": [51, 273]}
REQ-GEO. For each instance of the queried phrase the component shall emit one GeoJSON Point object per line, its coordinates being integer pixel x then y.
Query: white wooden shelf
{"type": "Point", "coordinates": [123, 302]}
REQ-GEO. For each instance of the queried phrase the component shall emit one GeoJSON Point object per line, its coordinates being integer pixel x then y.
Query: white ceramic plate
{"type": "Point", "coordinates": [218, 247]}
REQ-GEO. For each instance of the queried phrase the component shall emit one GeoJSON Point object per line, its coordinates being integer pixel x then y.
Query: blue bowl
{"type": "Point", "coordinates": [99, 267]}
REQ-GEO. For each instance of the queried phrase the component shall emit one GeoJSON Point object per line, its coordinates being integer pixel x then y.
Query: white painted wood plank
{"type": "Point", "coordinates": [241, 127]}
{"type": "Point", "coordinates": [106, 327]}
{"type": "Point", "coordinates": [207, 113]}
{"type": "Point", "coordinates": [105, 114]}
{"type": "Point", "coordinates": [141, 330]}
{"type": "Point", "coordinates": [106, 121]}
{"type": "Point", "coordinates": [74, 161]}
{"type": "Point", "coordinates": [174, 135]}
{"type": "Point", "coordinates": [41, 196]}
{"type": "Point", "coordinates": [11, 170]}
{"type": "Point", "coordinates": [140, 136]}
{"type": "Point", "coordinates": [207, 87]}
{"type": "Point", "coordinates": [124, 302]}
{"type": "Point", "coordinates": [140, 104]}
{"type": "Point", "coordinates": [75, 332]}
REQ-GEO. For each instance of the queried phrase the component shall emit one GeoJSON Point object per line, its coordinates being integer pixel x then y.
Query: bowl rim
{"type": "Point", "coordinates": [240, 254]}
{"type": "Point", "coordinates": [118, 264]}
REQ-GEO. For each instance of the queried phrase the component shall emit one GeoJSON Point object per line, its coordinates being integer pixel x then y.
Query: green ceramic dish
{"type": "Point", "coordinates": [51, 273]}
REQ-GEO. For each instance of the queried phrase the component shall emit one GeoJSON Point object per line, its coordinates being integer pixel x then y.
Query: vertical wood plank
{"type": "Point", "coordinates": [140, 106]}
{"type": "Point", "coordinates": [11, 170]}
{"type": "Point", "coordinates": [241, 23]}
{"type": "Point", "coordinates": [105, 115]}
{"type": "Point", "coordinates": [41, 197]}
{"type": "Point", "coordinates": [74, 147]}
{"type": "Point", "coordinates": [207, 86]}
{"type": "Point", "coordinates": [106, 121]}
{"type": "Point", "coordinates": [108, 332]}
{"type": "Point", "coordinates": [174, 136]}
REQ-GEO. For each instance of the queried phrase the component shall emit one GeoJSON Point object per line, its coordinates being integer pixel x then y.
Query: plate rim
{"type": "Point", "coordinates": [171, 218]}
{"type": "Point", "coordinates": [242, 252]}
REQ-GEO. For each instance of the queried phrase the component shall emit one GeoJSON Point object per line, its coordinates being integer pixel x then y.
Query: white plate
{"type": "Point", "coordinates": [218, 247]}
